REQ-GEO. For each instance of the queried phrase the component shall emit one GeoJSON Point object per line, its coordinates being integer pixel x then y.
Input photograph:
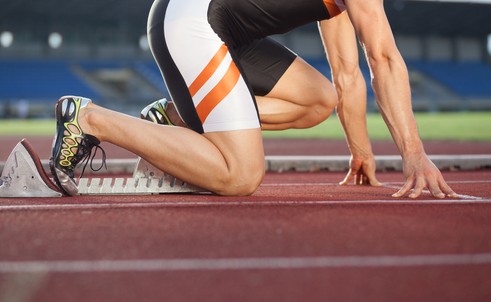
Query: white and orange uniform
{"type": "Point", "coordinates": [215, 55]}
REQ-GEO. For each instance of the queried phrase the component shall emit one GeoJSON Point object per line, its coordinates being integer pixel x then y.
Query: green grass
{"type": "Point", "coordinates": [461, 126]}
{"type": "Point", "coordinates": [27, 127]}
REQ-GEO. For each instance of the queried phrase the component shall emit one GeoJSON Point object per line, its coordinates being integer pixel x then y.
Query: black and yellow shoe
{"type": "Point", "coordinates": [156, 112]}
{"type": "Point", "coordinates": [70, 146]}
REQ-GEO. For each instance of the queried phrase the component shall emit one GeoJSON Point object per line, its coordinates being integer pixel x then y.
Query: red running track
{"type": "Point", "coordinates": [301, 237]}
{"type": "Point", "coordinates": [275, 147]}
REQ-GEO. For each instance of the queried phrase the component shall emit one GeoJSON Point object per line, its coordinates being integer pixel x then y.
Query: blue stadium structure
{"type": "Point", "coordinates": [41, 79]}
{"type": "Point", "coordinates": [103, 54]}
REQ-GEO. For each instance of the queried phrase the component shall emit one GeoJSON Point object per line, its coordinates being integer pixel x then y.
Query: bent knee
{"type": "Point", "coordinates": [329, 101]}
{"type": "Point", "coordinates": [323, 106]}
{"type": "Point", "coordinates": [242, 183]}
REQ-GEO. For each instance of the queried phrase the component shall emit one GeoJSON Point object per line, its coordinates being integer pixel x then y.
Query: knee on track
{"type": "Point", "coordinates": [241, 183]}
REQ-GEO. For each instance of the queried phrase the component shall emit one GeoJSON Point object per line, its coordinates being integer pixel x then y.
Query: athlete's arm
{"type": "Point", "coordinates": [390, 83]}
{"type": "Point", "coordinates": [342, 52]}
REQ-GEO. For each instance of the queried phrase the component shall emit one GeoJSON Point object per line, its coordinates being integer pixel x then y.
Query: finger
{"type": "Point", "coordinates": [438, 193]}
{"type": "Point", "coordinates": [447, 190]}
{"type": "Point", "coordinates": [418, 188]}
{"type": "Point", "coordinates": [361, 178]}
{"type": "Point", "coordinates": [435, 190]}
{"type": "Point", "coordinates": [358, 178]}
{"type": "Point", "coordinates": [452, 194]}
{"type": "Point", "coordinates": [348, 178]}
{"type": "Point", "coordinates": [407, 186]}
{"type": "Point", "coordinates": [372, 180]}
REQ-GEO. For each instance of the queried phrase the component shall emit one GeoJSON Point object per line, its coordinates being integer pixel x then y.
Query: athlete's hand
{"type": "Point", "coordinates": [362, 172]}
{"type": "Point", "coordinates": [421, 173]}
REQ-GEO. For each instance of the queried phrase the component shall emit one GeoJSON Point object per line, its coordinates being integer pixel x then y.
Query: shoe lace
{"type": "Point", "coordinates": [89, 157]}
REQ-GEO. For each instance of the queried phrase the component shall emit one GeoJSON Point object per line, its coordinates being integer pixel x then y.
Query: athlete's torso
{"type": "Point", "coordinates": [244, 21]}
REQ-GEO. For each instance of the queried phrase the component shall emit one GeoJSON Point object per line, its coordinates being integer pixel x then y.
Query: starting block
{"type": "Point", "coordinates": [24, 176]}
{"type": "Point", "coordinates": [146, 180]}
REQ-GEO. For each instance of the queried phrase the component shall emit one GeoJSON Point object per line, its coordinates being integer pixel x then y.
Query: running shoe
{"type": "Point", "coordinates": [156, 112]}
{"type": "Point", "coordinates": [71, 146]}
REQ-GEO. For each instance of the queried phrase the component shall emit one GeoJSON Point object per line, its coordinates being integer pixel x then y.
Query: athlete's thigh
{"type": "Point", "coordinates": [301, 84]}
{"type": "Point", "coordinates": [264, 62]}
{"type": "Point", "coordinates": [203, 79]}
{"type": "Point", "coordinates": [274, 71]}
{"type": "Point", "coordinates": [246, 162]}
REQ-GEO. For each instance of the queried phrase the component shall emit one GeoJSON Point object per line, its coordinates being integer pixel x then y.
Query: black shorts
{"type": "Point", "coordinates": [264, 62]}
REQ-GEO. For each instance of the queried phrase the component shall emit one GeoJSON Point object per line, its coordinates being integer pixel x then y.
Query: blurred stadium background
{"type": "Point", "coordinates": [98, 49]}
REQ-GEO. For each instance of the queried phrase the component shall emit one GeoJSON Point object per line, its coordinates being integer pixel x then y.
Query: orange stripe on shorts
{"type": "Point", "coordinates": [219, 92]}
{"type": "Point", "coordinates": [209, 70]}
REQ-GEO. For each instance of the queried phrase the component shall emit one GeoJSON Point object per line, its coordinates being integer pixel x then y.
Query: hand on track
{"type": "Point", "coordinates": [421, 173]}
{"type": "Point", "coordinates": [362, 172]}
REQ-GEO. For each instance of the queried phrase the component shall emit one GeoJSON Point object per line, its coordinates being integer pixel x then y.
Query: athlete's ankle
{"type": "Point", "coordinates": [88, 119]}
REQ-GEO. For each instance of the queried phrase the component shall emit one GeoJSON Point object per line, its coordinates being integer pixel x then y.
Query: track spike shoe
{"type": "Point", "coordinates": [156, 112]}
{"type": "Point", "coordinates": [71, 145]}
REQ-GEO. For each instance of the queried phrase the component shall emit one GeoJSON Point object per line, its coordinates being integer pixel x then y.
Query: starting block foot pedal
{"type": "Point", "coordinates": [23, 175]}
{"type": "Point", "coordinates": [146, 170]}
{"type": "Point", "coordinates": [146, 180]}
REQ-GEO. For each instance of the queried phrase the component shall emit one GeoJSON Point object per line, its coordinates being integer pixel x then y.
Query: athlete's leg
{"type": "Point", "coordinates": [289, 92]}
{"type": "Point", "coordinates": [222, 151]}
{"type": "Point", "coordinates": [226, 163]}
{"type": "Point", "coordinates": [302, 98]}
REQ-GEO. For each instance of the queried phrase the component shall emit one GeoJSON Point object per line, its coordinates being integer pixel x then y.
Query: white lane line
{"type": "Point", "coordinates": [314, 184]}
{"type": "Point", "coordinates": [268, 263]}
{"type": "Point", "coordinates": [176, 204]}
{"type": "Point", "coordinates": [468, 181]}
{"type": "Point", "coordinates": [389, 185]}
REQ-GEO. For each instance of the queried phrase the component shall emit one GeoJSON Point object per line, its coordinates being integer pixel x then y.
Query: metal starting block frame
{"type": "Point", "coordinates": [146, 180]}
{"type": "Point", "coordinates": [24, 176]}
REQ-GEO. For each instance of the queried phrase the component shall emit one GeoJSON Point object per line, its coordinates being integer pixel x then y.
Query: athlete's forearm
{"type": "Point", "coordinates": [351, 112]}
{"type": "Point", "coordinates": [341, 47]}
{"type": "Point", "coordinates": [391, 87]}
{"type": "Point", "coordinates": [390, 77]}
